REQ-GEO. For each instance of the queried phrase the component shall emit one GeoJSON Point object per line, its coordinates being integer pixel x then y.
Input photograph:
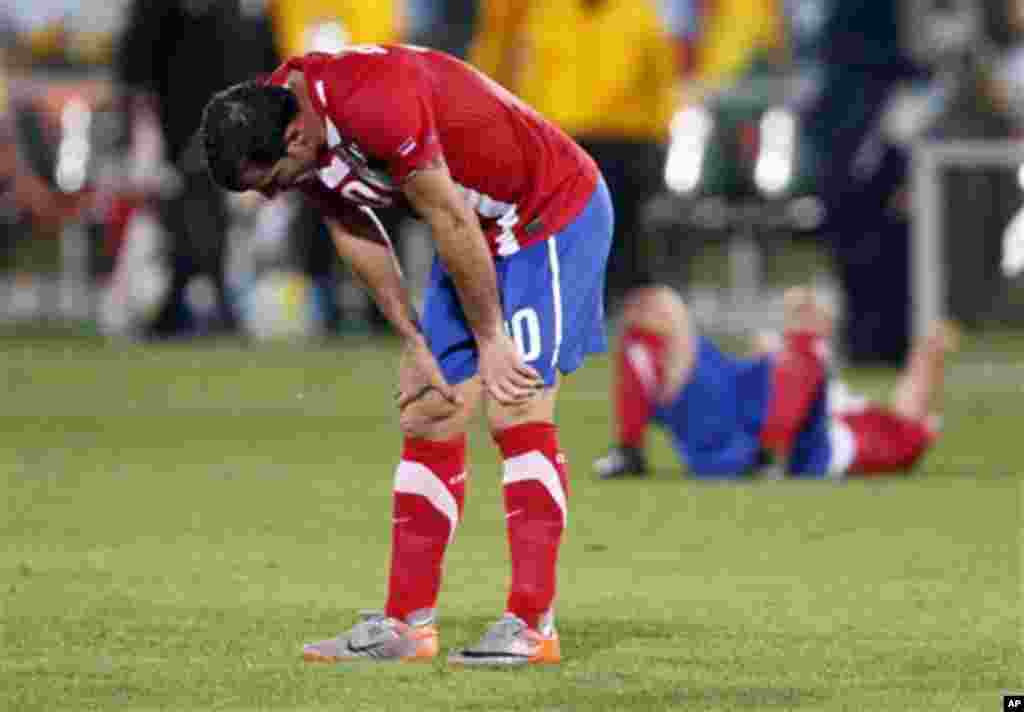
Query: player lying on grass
{"type": "Point", "coordinates": [777, 410]}
{"type": "Point", "coordinates": [522, 223]}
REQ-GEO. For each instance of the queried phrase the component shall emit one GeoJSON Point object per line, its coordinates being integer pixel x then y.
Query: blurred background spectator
{"type": "Point", "coordinates": [1007, 81]}
{"type": "Point", "coordinates": [177, 53]}
{"type": "Point", "coordinates": [855, 84]}
{"type": "Point", "coordinates": [33, 204]}
{"type": "Point", "coordinates": [447, 25]}
{"type": "Point", "coordinates": [328, 25]}
{"type": "Point", "coordinates": [610, 83]}
{"type": "Point", "coordinates": [857, 55]}
{"type": "Point", "coordinates": [22, 190]}
{"type": "Point", "coordinates": [718, 42]}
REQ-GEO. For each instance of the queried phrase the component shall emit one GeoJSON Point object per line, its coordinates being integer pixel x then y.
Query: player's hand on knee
{"type": "Point", "coordinates": [419, 374]}
{"type": "Point", "coordinates": [506, 376]}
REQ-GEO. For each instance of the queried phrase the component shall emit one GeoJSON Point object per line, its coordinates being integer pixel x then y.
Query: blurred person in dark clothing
{"type": "Point", "coordinates": [854, 53]}
{"type": "Point", "coordinates": [447, 25]}
{"type": "Point", "coordinates": [180, 52]}
{"type": "Point", "coordinates": [303, 26]}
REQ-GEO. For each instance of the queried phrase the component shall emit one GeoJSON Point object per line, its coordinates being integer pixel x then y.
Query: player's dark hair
{"type": "Point", "coordinates": [244, 124]}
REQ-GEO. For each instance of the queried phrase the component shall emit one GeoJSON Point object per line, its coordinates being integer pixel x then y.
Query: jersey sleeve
{"type": "Point", "coordinates": [392, 120]}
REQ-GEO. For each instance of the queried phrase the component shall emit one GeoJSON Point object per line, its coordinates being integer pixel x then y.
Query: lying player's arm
{"type": "Point", "coordinates": [798, 373]}
{"type": "Point", "coordinates": [365, 247]}
{"type": "Point", "coordinates": [461, 246]}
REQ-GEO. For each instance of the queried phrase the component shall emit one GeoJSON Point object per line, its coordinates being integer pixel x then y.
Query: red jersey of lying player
{"type": "Point", "coordinates": [391, 110]}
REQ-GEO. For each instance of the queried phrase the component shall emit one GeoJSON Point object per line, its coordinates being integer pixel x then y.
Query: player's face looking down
{"type": "Point", "coordinates": [297, 165]}
{"type": "Point", "coordinates": [304, 136]}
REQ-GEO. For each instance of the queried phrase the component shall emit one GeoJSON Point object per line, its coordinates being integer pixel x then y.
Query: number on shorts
{"type": "Point", "coordinates": [525, 327]}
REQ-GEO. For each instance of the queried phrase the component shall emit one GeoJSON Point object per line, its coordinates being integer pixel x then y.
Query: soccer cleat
{"type": "Point", "coordinates": [380, 639]}
{"type": "Point", "coordinates": [510, 642]}
{"type": "Point", "coordinates": [621, 462]}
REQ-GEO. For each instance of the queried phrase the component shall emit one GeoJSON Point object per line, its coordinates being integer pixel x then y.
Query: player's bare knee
{"type": "Point", "coordinates": [540, 408]}
{"type": "Point", "coordinates": [432, 417]}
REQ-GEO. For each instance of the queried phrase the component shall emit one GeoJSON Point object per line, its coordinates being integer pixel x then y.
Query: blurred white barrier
{"type": "Point", "coordinates": [929, 276]}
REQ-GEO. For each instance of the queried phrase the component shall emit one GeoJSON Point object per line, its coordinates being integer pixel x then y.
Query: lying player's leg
{"type": "Point", "coordinates": [429, 491]}
{"type": "Point", "coordinates": [652, 360]}
{"type": "Point", "coordinates": [892, 440]}
{"type": "Point", "coordinates": [884, 442]}
{"type": "Point", "coordinates": [918, 394]}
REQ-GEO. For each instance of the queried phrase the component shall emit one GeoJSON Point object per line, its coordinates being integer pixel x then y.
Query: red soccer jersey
{"type": "Point", "coordinates": [390, 110]}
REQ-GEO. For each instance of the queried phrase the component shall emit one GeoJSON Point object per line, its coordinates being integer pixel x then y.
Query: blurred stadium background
{"type": "Point", "coordinates": [186, 503]}
{"type": "Point", "coordinates": [729, 195]}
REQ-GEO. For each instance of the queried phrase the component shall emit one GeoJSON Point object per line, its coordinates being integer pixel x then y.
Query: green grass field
{"type": "Point", "coordinates": [180, 519]}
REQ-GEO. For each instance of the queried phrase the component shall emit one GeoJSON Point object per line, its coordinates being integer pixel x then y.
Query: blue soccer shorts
{"type": "Point", "coordinates": [552, 298]}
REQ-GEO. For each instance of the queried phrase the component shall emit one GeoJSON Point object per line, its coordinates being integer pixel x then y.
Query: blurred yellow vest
{"type": "Point", "coordinates": [734, 31]}
{"type": "Point", "coordinates": [365, 21]}
{"type": "Point", "coordinates": [606, 72]}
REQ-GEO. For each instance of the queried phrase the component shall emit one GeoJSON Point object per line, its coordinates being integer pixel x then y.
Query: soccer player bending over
{"type": "Point", "coordinates": [778, 410]}
{"type": "Point", "coordinates": [522, 223]}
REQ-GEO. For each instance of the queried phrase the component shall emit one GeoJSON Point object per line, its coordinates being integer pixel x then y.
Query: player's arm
{"type": "Point", "coordinates": [367, 250]}
{"type": "Point", "coordinates": [393, 120]}
{"type": "Point", "coordinates": [364, 245]}
{"type": "Point", "coordinates": [462, 247]}
{"type": "Point", "coordinates": [798, 371]}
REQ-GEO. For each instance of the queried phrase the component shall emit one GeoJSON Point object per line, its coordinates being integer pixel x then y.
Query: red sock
{"type": "Point", "coordinates": [430, 486]}
{"type": "Point", "coordinates": [536, 507]}
{"type": "Point", "coordinates": [640, 375]}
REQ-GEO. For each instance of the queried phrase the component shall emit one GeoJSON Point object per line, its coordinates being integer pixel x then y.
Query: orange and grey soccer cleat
{"type": "Point", "coordinates": [510, 642]}
{"type": "Point", "coordinates": [381, 639]}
